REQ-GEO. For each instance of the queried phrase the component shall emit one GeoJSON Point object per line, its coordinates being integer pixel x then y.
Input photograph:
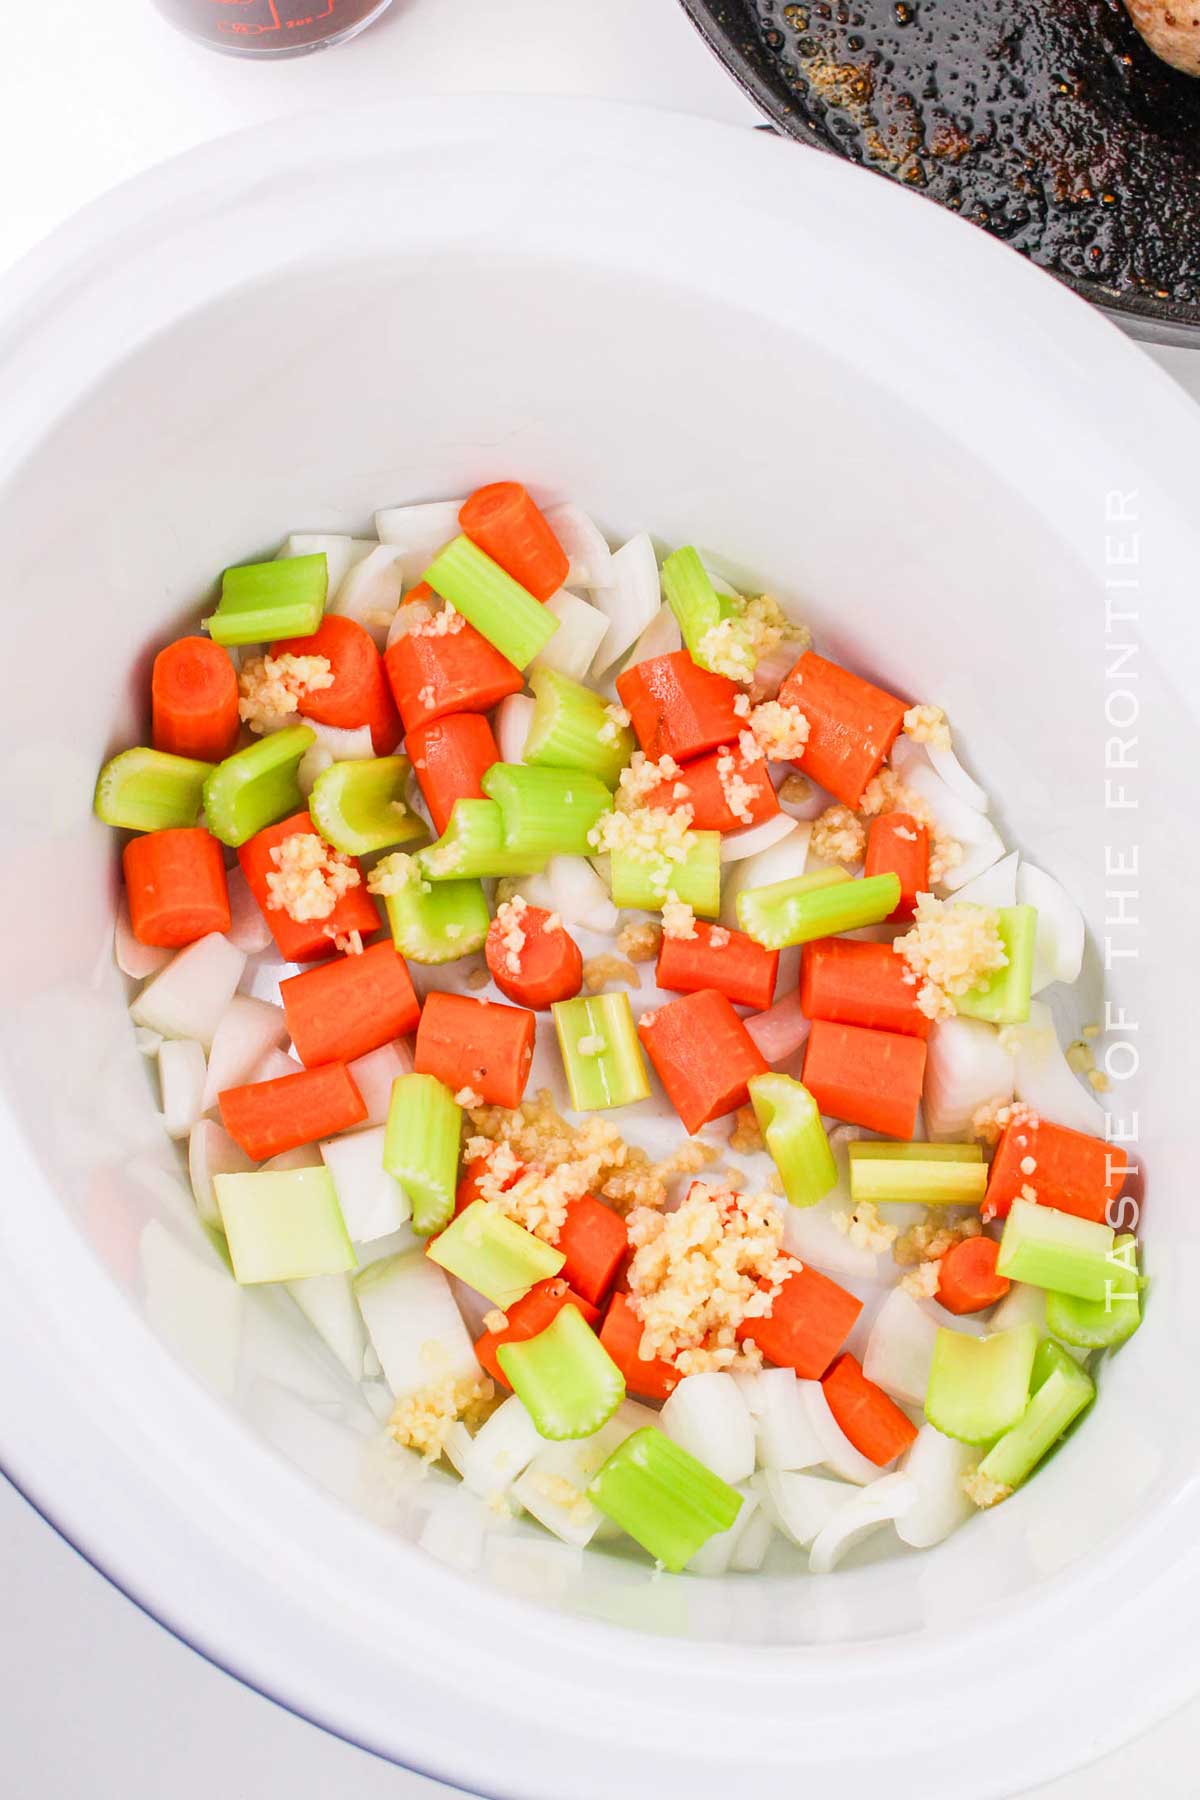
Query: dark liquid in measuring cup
{"type": "Point", "coordinates": [270, 27]}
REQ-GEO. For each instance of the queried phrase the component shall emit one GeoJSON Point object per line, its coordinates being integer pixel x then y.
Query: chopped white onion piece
{"type": "Point", "coordinates": [810, 1234]}
{"type": "Point", "coordinates": [781, 1031]}
{"type": "Point", "coordinates": [181, 1078]}
{"type": "Point", "coordinates": [778, 861]}
{"type": "Point", "coordinates": [880, 1504]}
{"type": "Point", "coordinates": [586, 546]}
{"type": "Point", "coordinates": [707, 1416]}
{"type": "Point", "coordinates": [997, 886]}
{"type": "Point", "coordinates": [340, 552]}
{"type": "Point", "coordinates": [936, 1464]}
{"type": "Point", "coordinates": [373, 1075]}
{"type": "Point", "coordinates": [419, 532]}
{"type": "Point", "coordinates": [773, 669]}
{"type": "Point", "coordinates": [840, 1454]}
{"type": "Point", "coordinates": [147, 1042]}
{"type": "Point", "coordinates": [373, 1202]}
{"type": "Point", "coordinates": [736, 846]}
{"type": "Point", "coordinates": [513, 718]}
{"type": "Point", "coordinates": [414, 1325]}
{"type": "Point", "coordinates": [632, 604]}
{"type": "Point", "coordinates": [501, 1450]}
{"type": "Point", "coordinates": [662, 637]}
{"type": "Point", "coordinates": [581, 630]}
{"type": "Point", "coordinates": [753, 1542]}
{"type": "Point", "coordinates": [787, 1437]}
{"type": "Point", "coordinates": [211, 1151]}
{"type": "Point", "coordinates": [967, 1064]}
{"type": "Point", "coordinates": [328, 1303]}
{"type": "Point", "coordinates": [900, 1348]}
{"type": "Point", "coordinates": [247, 1031]}
{"type": "Point", "coordinates": [1060, 927]}
{"type": "Point", "coordinates": [716, 1556]}
{"type": "Point", "coordinates": [274, 1065]}
{"type": "Point", "coordinates": [802, 1506]}
{"type": "Point", "coordinates": [407, 618]}
{"type": "Point", "coordinates": [578, 895]}
{"type": "Point", "coordinates": [370, 591]}
{"type": "Point", "coordinates": [135, 959]}
{"type": "Point", "coordinates": [946, 764]}
{"type": "Point", "coordinates": [1043, 1078]}
{"type": "Point", "coordinates": [981, 842]}
{"type": "Point", "coordinates": [311, 767]}
{"type": "Point", "coordinates": [304, 1156]}
{"type": "Point", "coordinates": [188, 998]}
{"type": "Point", "coordinates": [248, 931]}
{"type": "Point", "coordinates": [342, 744]}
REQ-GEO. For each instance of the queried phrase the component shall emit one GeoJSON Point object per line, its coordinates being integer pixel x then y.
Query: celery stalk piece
{"type": "Point", "coordinates": [666, 1500]}
{"type": "Point", "coordinates": [256, 786]}
{"type": "Point", "coordinates": [261, 601]}
{"type": "Point", "coordinates": [493, 1254]}
{"type": "Point", "coordinates": [473, 845]}
{"type": "Point", "coordinates": [1063, 1393]}
{"type": "Point", "coordinates": [815, 906]}
{"type": "Point", "coordinates": [641, 883]}
{"type": "Point", "coordinates": [925, 1180]}
{"type": "Point", "coordinates": [790, 1121]}
{"type": "Point", "coordinates": [1102, 1324]}
{"type": "Point", "coordinates": [571, 729]}
{"type": "Point", "coordinates": [148, 790]}
{"type": "Point", "coordinates": [978, 1387]}
{"type": "Point", "coordinates": [868, 1150]}
{"type": "Point", "coordinates": [283, 1226]}
{"type": "Point", "coordinates": [499, 608]}
{"type": "Point", "coordinates": [1004, 996]}
{"type": "Point", "coordinates": [437, 921]}
{"type": "Point", "coordinates": [600, 1051]}
{"type": "Point", "coordinates": [568, 1382]}
{"type": "Point", "coordinates": [1052, 1249]}
{"type": "Point", "coordinates": [698, 607]}
{"type": "Point", "coordinates": [545, 812]}
{"type": "Point", "coordinates": [359, 806]}
{"type": "Point", "coordinates": [420, 1147]}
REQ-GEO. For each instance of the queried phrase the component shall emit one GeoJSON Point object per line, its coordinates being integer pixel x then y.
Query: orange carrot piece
{"type": "Point", "coordinates": [726, 960]}
{"type": "Point", "coordinates": [176, 885]}
{"type": "Point", "coordinates": [677, 708]}
{"type": "Point", "coordinates": [481, 1046]}
{"type": "Point", "coordinates": [194, 700]}
{"type": "Point", "coordinates": [810, 1319]}
{"type": "Point", "coordinates": [870, 1078]}
{"type": "Point", "coordinates": [621, 1335]}
{"type": "Point", "coordinates": [702, 1054]}
{"type": "Point", "coordinates": [706, 782]}
{"type": "Point", "coordinates": [871, 1420]}
{"type": "Point", "coordinates": [503, 520]}
{"type": "Point", "coordinates": [528, 1317]}
{"type": "Point", "coordinates": [593, 1240]}
{"type": "Point", "coordinates": [303, 940]}
{"type": "Point", "coordinates": [360, 694]}
{"type": "Point", "coordinates": [349, 1006]}
{"type": "Point", "coordinates": [1069, 1170]}
{"type": "Point", "coordinates": [268, 1117]}
{"type": "Point", "coordinates": [854, 983]}
{"type": "Point", "coordinates": [898, 844]}
{"type": "Point", "coordinates": [549, 963]}
{"type": "Point", "coordinates": [450, 757]}
{"type": "Point", "coordinates": [967, 1278]}
{"type": "Point", "coordinates": [851, 725]}
{"type": "Point", "coordinates": [459, 672]}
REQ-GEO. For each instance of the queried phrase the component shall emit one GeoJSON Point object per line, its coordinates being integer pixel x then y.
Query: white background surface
{"type": "Point", "coordinates": [97, 1700]}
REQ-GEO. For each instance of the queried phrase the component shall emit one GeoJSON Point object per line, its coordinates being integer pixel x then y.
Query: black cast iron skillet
{"type": "Point", "coordinates": [1047, 122]}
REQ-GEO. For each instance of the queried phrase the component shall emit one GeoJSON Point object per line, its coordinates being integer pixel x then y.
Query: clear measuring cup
{"type": "Point", "coordinates": [271, 27]}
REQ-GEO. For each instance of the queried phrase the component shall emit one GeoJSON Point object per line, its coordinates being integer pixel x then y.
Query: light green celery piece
{"type": "Point", "coordinates": [790, 1121]}
{"type": "Point", "coordinates": [148, 790]}
{"type": "Point", "coordinates": [1102, 1324]}
{"type": "Point", "coordinates": [545, 812]}
{"type": "Point", "coordinates": [1059, 1396]}
{"type": "Point", "coordinates": [645, 883]}
{"type": "Point", "coordinates": [567, 1381]}
{"type": "Point", "coordinates": [262, 601]}
{"type": "Point", "coordinates": [437, 921]}
{"type": "Point", "coordinates": [571, 729]}
{"type": "Point", "coordinates": [868, 1150]}
{"type": "Point", "coordinates": [358, 806]}
{"type": "Point", "coordinates": [283, 1225]}
{"type": "Point", "coordinates": [420, 1147]}
{"type": "Point", "coordinates": [499, 608]}
{"type": "Point", "coordinates": [493, 1254]}
{"type": "Point", "coordinates": [473, 845]}
{"type": "Point", "coordinates": [611, 1070]}
{"type": "Point", "coordinates": [1004, 997]}
{"type": "Point", "coordinates": [663, 1497]}
{"type": "Point", "coordinates": [256, 786]}
{"type": "Point", "coordinates": [978, 1387]}
{"type": "Point", "coordinates": [698, 607]}
{"type": "Point", "coordinates": [927, 1180]}
{"type": "Point", "coordinates": [815, 906]}
{"type": "Point", "coordinates": [1056, 1250]}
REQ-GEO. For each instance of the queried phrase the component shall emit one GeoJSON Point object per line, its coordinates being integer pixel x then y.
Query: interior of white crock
{"type": "Point", "coordinates": [303, 403]}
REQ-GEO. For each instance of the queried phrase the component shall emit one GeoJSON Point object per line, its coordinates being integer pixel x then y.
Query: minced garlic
{"type": "Point", "coordinates": [746, 1136]}
{"type": "Point", "coordinates": [467, 1097]}
{"type": "Point", "coordinates": [640, 942]}
{"type": "Point", "coordinates": [795, 790]}
{"type": "Point", "coordinates": [678, 919]}
{"type": "Point", "coordinates": [422, 1421]}
{"type": "Point", "coordinates": [864, 1227]}
{"type": "Point", "coordinates": [270, 688]}
{"type": "Point", "coordinates": [598, 971]}
{"type": "Point", "coordinates": [927, 725]}
{"type": "Point", "coordinates": [349, 942]}
{"type": "Point", "coordinates": [495, 1320]}
{"type": "Point", "coordinates": [592, 1044]}
{"type": "Point", "coordinates": [510, 919]}
{"type": "Point", "coordinates": [616, 720]}
{"type": "Point", "coordinates": [1081, 1059]}
{"type": "Point", "coordinates": [838, 836]}
{"type": "Point", "coordinates": [989, 1120]}
{"type": "Point", "coordinates": [950, 950]}
{"type": "Point", "coordinates": [560, 1491]}
{"type": "Point", "coordinates": [309, 877]}
{"type": "Point", "coordinates": [736, 789]}
{"type": "Point", "coordinates": [929, 1241]}
{"type": "Point", "coordinates": [982, 1489]}
{"type": "Point", "coordinates": [923, 1281]}
{"type": "Point", "coordinates": [446, 623]}
{"type": "Point", "coordinates": [393, 874]}
{"type": "Point", "coordinates": [780, 730]}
